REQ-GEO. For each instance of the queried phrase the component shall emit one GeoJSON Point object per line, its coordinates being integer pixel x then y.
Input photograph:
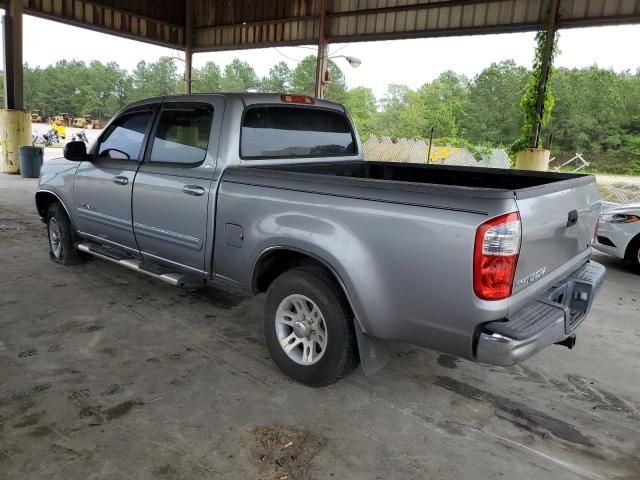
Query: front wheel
{"type": "Point", "coordinates": [633, 253]}
{"type": "Point", "coordinates": [60, 233]}
{"type": "Point", "coordinates": [308, 327]}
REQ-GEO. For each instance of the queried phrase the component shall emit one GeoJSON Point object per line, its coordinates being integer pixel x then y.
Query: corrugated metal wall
{"type": "Point", "coordinates": [235, 24]}
{"type": "Point", "coordinates": [226, 24]}
{"type": "Point", "coordinates": [294, 22]}
{"type": "Point", "coordinates": [159, 22]}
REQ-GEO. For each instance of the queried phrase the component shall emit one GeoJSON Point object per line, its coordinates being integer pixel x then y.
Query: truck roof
{"type": "Point", "coordinates": [248, 98]}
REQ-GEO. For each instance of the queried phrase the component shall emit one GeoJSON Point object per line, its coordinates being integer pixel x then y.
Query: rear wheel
{"type": "Point", "coordinates": [308, 327]}
{"type": "Point", "coordinates": [60, 234]}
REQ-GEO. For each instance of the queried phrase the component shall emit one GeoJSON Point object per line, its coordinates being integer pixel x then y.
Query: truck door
{"type": "Point", "coordinates": [171, 198]}
{"type": "Point", "coordinates": [103, 186]}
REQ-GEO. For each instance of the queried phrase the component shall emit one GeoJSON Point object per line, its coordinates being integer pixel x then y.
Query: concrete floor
{"type": "Point", "coordinates": [107, 374]}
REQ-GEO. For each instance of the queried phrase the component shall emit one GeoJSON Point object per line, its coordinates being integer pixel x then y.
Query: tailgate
{"type": "Point", "coordinates": [558, 222]}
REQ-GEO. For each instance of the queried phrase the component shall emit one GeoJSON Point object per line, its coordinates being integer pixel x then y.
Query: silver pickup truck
{"type": "Point", "coordinates": [270, 193]}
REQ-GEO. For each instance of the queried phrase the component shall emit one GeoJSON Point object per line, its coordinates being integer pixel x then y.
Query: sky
{"type": "Point", "coordinates": [408, 62]}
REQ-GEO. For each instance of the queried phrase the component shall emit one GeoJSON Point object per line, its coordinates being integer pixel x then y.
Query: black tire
{"type": "Point", "coordinates": [341, 353]}
{"type": "Point", "coordinates": [632, 253]}
{"type": "Point", "coordinates": [64, 252]}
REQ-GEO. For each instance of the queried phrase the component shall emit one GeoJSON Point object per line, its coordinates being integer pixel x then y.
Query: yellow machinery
{"type": "Point", "coordinates": [84, 121]}
{"type": "Point", "coordinates": [59, 124]}
{"type": "Point", "coordinates": [36, 116]}
{"type": "Point", "coordinates": [79, 122]}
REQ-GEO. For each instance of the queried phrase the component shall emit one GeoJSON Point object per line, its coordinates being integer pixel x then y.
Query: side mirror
{"type": "Point", "coordinates": [75, 151]}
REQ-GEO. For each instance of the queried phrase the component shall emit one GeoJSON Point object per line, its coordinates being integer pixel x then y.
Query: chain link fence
{"type": "Point", "coordinates": [617, 173]}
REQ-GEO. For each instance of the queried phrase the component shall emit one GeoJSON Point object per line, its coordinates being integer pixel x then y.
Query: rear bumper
{"type": "Point", "coordinates": [548, 319]}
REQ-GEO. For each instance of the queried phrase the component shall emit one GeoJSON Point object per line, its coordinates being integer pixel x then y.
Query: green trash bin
{"type": "Point", "coordinates": [30, 161]}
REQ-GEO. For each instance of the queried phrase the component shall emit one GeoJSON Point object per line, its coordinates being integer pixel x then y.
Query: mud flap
{"type": "Point", "coordinates": [374, 354]}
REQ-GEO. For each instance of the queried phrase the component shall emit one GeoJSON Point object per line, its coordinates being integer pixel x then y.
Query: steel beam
{"type": "Point", "coordinates": [12, 33]}
{"type": "Point", "coordinates": [323, 51]}
{"type": "Point", "coordinates": [188, 45]}
{"type": "Point", "coordinates": [552, 22]}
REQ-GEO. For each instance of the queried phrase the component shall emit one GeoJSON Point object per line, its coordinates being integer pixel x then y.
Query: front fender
{"type": "Point", "coordinates": [56, 180]}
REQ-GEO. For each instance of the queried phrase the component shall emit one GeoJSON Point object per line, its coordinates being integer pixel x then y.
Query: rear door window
{"type": "Point", "coordinates": [289, 132]}
{"type": "Point", "coordinates": [182, 135]}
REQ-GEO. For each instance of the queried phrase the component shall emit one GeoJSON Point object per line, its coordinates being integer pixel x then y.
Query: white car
{"type": "Point", "coordinates": [618, 233]}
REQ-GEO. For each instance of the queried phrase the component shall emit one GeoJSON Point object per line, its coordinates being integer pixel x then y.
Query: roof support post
{"type": "Point", "coordinates": [12, 36]}
{"type": "Point", "coordinates": [545, 67]}
{"type": "Point", "coordinates": [188, 45]}
{"type": "Point", "coordinates": [323, 51]}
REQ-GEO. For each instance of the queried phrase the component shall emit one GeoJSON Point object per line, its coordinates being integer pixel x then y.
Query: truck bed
{"type": "Point", "coordinates": [394, 175]}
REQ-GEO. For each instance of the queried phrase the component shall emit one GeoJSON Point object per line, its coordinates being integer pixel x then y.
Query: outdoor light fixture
{"type": "Point", "coordinates": [353, 61]}
{"type": "Point", "coordinates": [167, 59]}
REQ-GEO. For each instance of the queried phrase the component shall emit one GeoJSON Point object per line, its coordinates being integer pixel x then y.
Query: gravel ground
{"type": "Point", "coordinates": [106, 373]}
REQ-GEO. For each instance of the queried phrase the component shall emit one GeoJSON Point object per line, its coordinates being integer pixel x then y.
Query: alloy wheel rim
{"type": "Point", "coordinates": [54, 237]}
{"type": "Point", "coordinates": [301, 329]}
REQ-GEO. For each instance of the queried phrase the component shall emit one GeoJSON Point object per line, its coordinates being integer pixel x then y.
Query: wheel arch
{"type": "Point", "coordinates": [44, 199]}
{"type": "Point", "coordinates": [633, 243]}
{"type": "Point", "coordinates": [274, 261]}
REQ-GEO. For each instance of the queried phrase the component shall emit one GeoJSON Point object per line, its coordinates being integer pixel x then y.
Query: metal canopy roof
{"type": "Point", "coordinates": [229, 24]}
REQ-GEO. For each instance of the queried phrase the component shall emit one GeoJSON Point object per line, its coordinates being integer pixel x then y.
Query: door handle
{"type": "Point", "coordinates": [194, 190]}
{"type": "Point", "coordinates": [120, 180]}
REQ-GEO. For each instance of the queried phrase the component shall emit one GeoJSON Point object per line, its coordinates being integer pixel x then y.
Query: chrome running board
{"type": "Point", "coordinates": [159, 272]}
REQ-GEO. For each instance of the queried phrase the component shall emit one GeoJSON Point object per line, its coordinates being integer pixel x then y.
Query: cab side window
{"type": "Point", "coordinates": [124, 138]}
{"type": "Point", "coordinates": [182, 135]}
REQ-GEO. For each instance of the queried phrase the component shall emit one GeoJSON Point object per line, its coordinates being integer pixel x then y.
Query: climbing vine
{"type": "Point", "coordinates": [529, 98]}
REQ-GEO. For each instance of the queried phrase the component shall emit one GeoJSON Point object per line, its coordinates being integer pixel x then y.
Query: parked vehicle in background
{"type": "Point", "coordinates": [80, 136]}
{"type": "Point", "coordinates": [270, 193]}
{"type": "Point", "coordinates": [47, 139]}
{"type": "Point", "coordinates": [36, 116]}
{"type": "Point", "coordinates": [59, 123]}
{"type": "Point", "coordinates": [619, 233]}
{"type": "Point", "coordinates": [86, 121]}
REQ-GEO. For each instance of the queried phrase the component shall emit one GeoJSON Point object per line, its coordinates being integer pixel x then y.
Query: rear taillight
{"type": "Point", "coordinates": [495, 256]}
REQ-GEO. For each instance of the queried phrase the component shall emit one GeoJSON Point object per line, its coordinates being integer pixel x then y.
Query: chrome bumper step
{"type": "Point", "coordinates": [550, 318]}
{"type": "Point", "coordinates": [157, 271]}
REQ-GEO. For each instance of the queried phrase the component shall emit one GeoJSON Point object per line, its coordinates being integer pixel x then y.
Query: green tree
{"type": "Point", "coordinates": [361, 103]}
{"type": "Point", "coordinates": [589, 113]}
{"type": "Point", "coordinates": [303, 79]}
{"type": "Point", "coordinates": [239, 76]}
{"type": "Point", "coordinates": [278, 80]}
{"type": "Point", "coordinates": [107, 89]}
{"type": "Point", "coordinates": [207, 78]}
{"type": "Point", "coordinates": [493, 114]}
{"type": "Point", "coordinates": [440, 105]}
{"type": "Point", "coordinates": [154, 80]}
{"type": "Point", "coordinates": [399, 105]}
{"type": "Point", "coordinates": [445, 102]}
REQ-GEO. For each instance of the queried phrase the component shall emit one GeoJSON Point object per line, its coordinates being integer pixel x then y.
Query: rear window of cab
{"type": "Point", "coordinates": [279, 131]}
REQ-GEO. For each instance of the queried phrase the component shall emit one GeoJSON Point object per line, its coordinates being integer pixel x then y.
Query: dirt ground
{"type": "Point", "coordinates": [105, 373]}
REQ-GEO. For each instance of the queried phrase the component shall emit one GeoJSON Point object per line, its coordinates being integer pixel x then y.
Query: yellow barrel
{"type": "Point", "coordinates": [533, 159]}
{"type": "Point", "coordinates": [15, 131]}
